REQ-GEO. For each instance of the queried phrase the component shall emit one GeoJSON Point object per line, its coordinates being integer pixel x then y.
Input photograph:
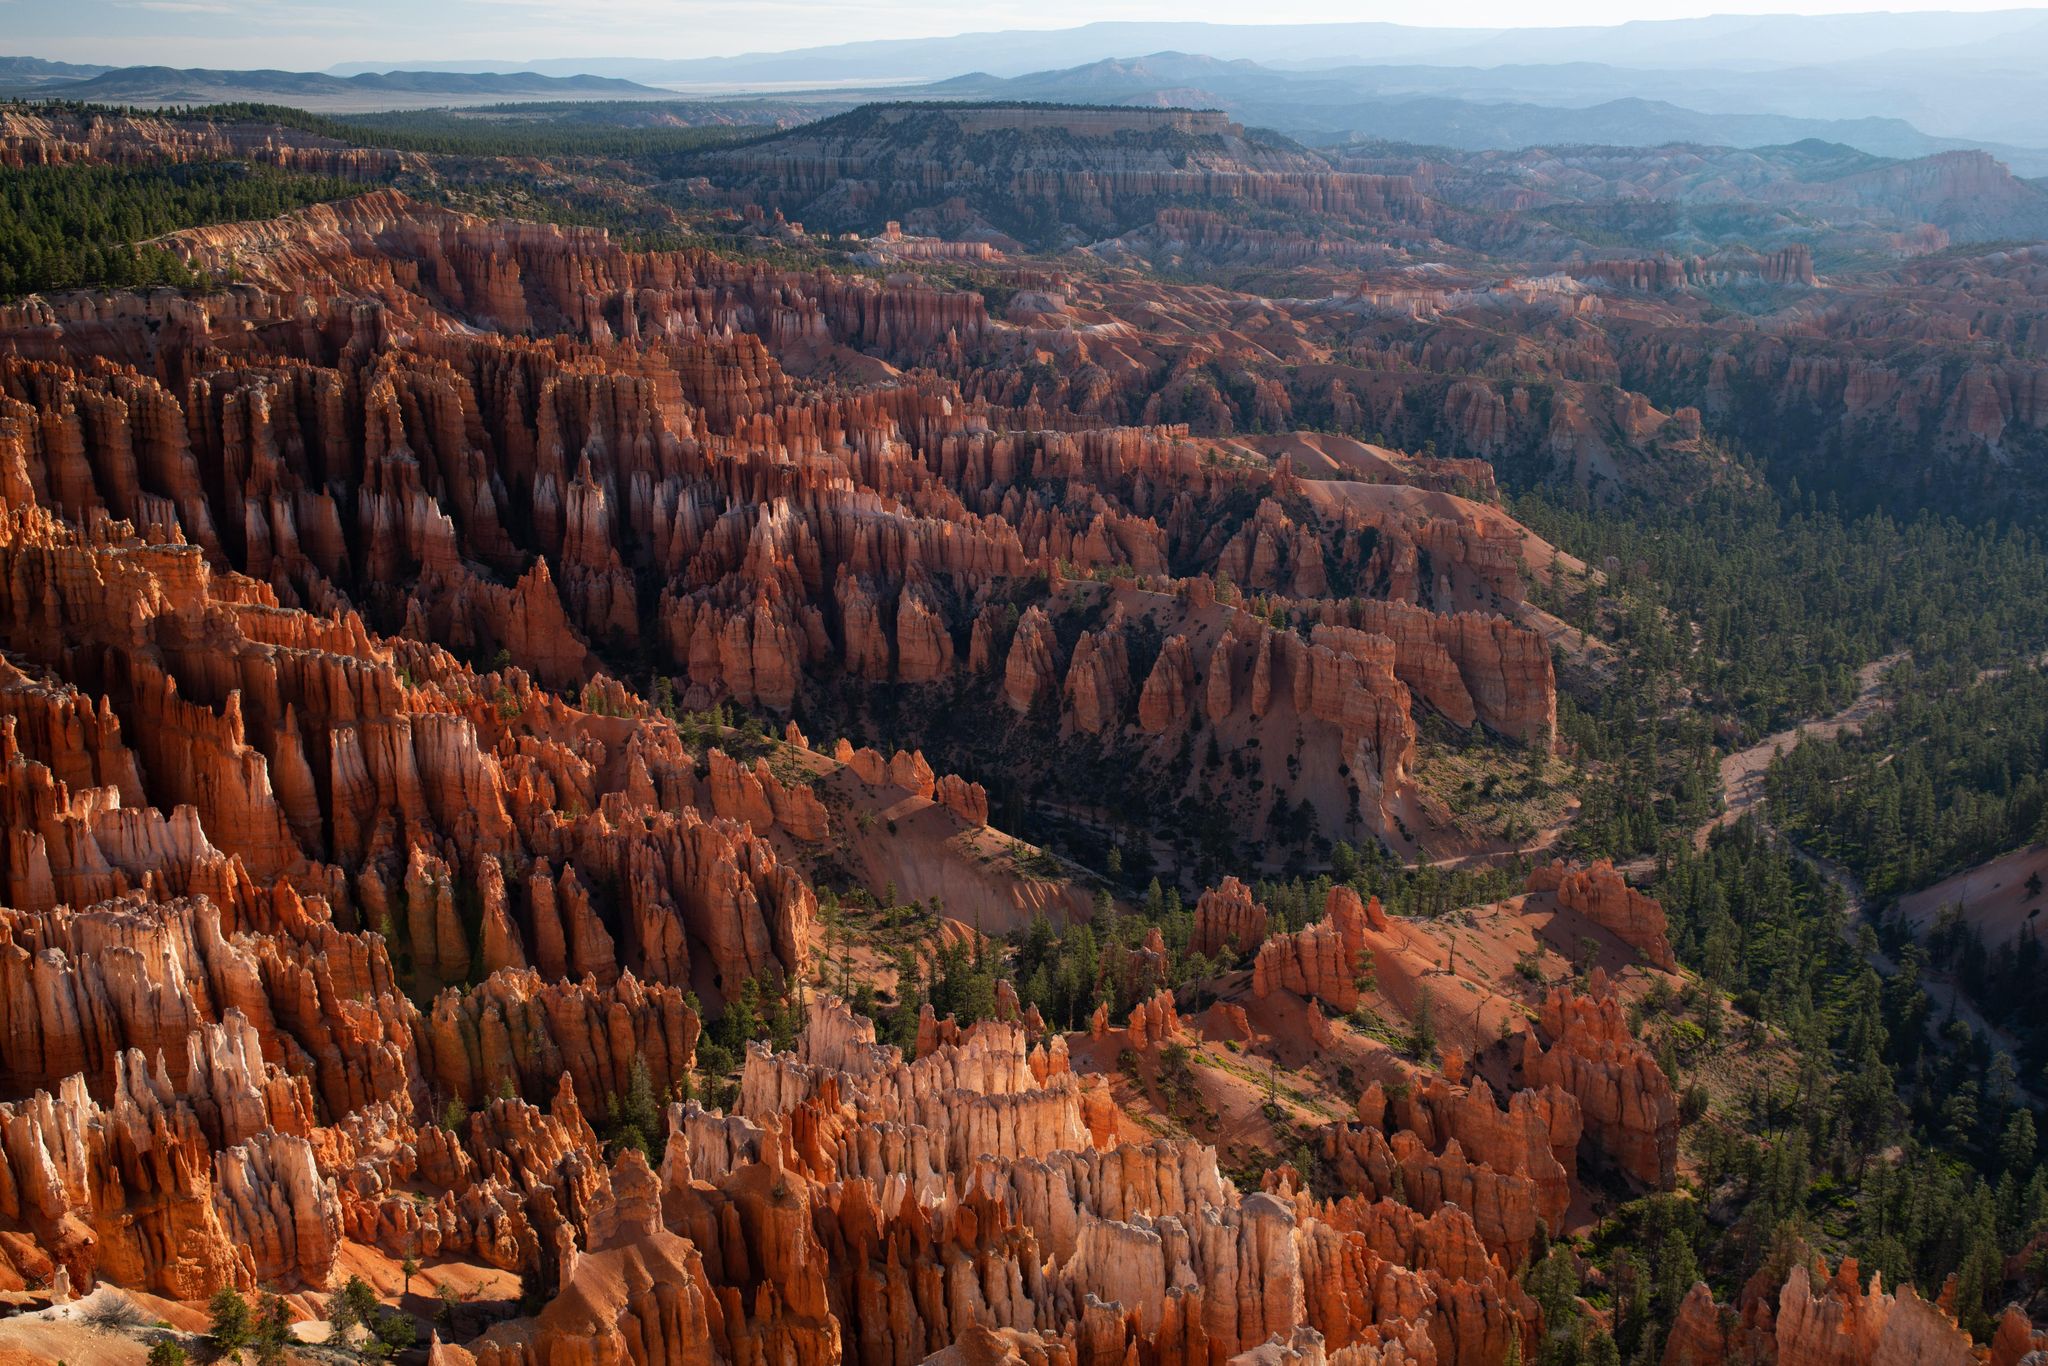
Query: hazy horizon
{"type": "Point", "coordinates": [289, 35]}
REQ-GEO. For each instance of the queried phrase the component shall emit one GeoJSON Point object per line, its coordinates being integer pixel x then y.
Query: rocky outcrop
{"type": "Point", "coordinates": [1511, 1171]}
{"type": "Point", "coordinates": [1161, 1252]}
{"type": "Point", "coordinates": [129, 1194]}
{"type": "Point", "coordinates": [968, 801]}
{"type": "Point", "coordinates": [1227, 921]}
{"type": "Point", "coordinates": [764, 801]}
{"type": "Point", "coordinates": [1600, 894]}
{"type": "Point", "coordinates": [1322, 962]}
{"type": "Point", "coordinates": [1168, 694]}
{"type": "Point", "coordinates": [1031, 673]}
{"type": "Point", "coordinates": [279, 1211]}
{"type": "Point", "coordinates": [1118, 166]}
{"type": "Point", "coordinates": [1630, 1110]}
{"type": "Point", "coordinates": [1821, 1318]}
{"type": "Point", "coordinates": [1699, 1335]}
{"type": "Point", "coordinates": [1098, 680]}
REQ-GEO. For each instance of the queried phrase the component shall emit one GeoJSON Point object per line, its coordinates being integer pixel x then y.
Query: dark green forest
{"type": "Point", "coordinates": [517, 132]}
{"type": "Point", "coordinates": [78, 226]}
{"type": "Point", "coordinates": [1789, 597]}
{"type": "Point", "coordinates": [1905, 1138]}
{"type": "Point", "coordinates": [1944, 779]}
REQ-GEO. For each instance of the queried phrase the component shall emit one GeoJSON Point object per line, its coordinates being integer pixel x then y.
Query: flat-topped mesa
{"type": "Point", "coordinates": [1104, 168]}
{"type": "Point", "coordinates": [57, 137]}
{"type": "Point", "coordinates": [1630, 1110]}
{"type": "Point", "coordinates": [1662, 273]}
{"type": "Point", "coordinates": [1081, 122]}
{"type": "Point", "coordinates": [1603, 896]}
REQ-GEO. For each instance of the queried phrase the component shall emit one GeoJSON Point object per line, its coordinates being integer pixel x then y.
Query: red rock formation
{"type": "Point", "coordinates": [281, 890]}
{"type": "Point", "coordinates": [1098, 679]}
{"type": "Point", "coordinates": [1602, 896]}
{"type": "Point", "coordinates": [2016, 1338]}
{"type": "Point", "coordinates": [1168, 693]}
{"type": "Point", "coordinates": [764, 801]}
{"type": "Point", "coordinates": [1228, 921]}
{"type": "Point", "coordinates": [127, 1193]}
{"type": "Point", "coordinates": [968, 801]}
{"type": "Point", "coordinates": [1630, 1111]}
{"type": "Point", "coordinates": [1698, 1336]}
{"type": "Point", "coordinates": [1324, 960]}
{"type": "Point", "coordinates": [924, 647]}
{"type": "Point", "coordinates": [1153, 1022]}
{"type": "Point", "coordinates": [1830, 1319]}
{"type": "Point", "coordinates": [1031, 672]}
{"type": "Point", "coordinates": [1449, 1146]}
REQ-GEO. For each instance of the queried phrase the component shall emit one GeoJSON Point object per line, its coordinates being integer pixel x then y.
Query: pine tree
{"type": "Point", "coordinates": [272, 1333]}
{"type": "Point", "coordinates": [231, 1325]}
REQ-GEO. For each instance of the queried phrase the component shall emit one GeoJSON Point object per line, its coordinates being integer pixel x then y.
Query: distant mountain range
{"type": "Point", "coordinates": [1977, 77]}
{"type": "Point", "coordinates": [157, 85]}
{"type": "Point", "coordinates": [1894, 85]}
{"type": "Point", "coordinates": [1737, 42]}
{"type": "Point", "coordinates": [1409, 105]}
{"type": "Point", "coordinates": [22, 72]}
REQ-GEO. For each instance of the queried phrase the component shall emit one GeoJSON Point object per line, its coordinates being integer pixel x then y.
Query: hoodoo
{"type": "Point", "coordinates": [1157, 713]}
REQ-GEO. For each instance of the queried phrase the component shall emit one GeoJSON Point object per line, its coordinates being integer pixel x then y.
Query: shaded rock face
{"type": "Point", "coordinates": [1600, 894]}
{"type": "Point", "coordinates": [1102, 169]}
{"type": "Point", "coordinates": [1228, 921]}
{"type": "Point", "coordinates": [1818, 1317]}
{"type": "Point", "coordinates": [1323, 961]}
{"type": "Point", "coordinates": [1630, 1111]}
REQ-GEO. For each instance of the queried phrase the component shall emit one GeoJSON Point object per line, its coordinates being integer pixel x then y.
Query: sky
{"type": "Point", "coordinates": [315, 34]}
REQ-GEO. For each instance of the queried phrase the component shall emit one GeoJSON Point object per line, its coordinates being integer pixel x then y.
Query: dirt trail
{"type": "Point", "coordinates": [1742, 773]}
{"type": "Point", "coordinates": [1742, 794]}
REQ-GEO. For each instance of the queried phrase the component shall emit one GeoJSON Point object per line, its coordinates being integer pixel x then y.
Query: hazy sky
{"type": "Point", "coordinates": [313, 34]}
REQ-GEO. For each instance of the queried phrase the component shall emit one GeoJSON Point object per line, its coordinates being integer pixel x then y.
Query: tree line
{"type": "Point", "coordinates": [84, 226]}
